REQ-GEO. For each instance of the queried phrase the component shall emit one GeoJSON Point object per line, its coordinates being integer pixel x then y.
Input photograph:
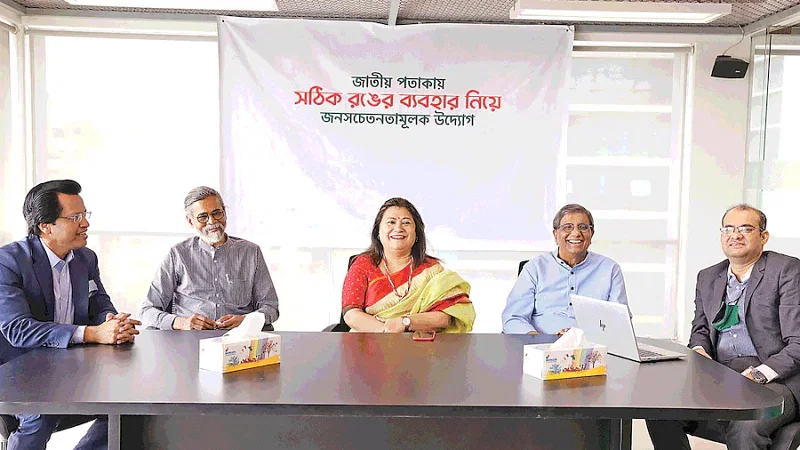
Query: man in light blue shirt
{"type": "Point", "coordinates": [539, 301]}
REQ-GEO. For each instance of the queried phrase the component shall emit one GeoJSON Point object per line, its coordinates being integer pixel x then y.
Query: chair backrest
{"type": "Point", "coordinates": [342, 326]}
{"type": "Point", "coordinates": [8, 424]}
{"type": "Point", "coordinates": [786, 437]}
{"type": "Point", "coordinates": [521, 265]}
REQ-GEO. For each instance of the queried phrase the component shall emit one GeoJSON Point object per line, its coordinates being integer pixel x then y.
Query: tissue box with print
{"type": "Point", "coordinates": [546, 364]}
{"type": "Point", "coordinates": [244, 347]}
{"type": "Point", "coordinates": [225, 354]}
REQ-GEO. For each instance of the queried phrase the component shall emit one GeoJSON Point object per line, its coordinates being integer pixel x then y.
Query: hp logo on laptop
{"type": "Point", "coordinates": [602, 325]}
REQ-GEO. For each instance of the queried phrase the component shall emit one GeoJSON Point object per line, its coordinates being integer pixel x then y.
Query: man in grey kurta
{"type": "Point", "coordinates": [212, 280]}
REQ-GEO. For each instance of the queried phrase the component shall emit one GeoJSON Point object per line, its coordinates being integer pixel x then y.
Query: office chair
{"type": "Point", "coordinates": [9, 424]}
{"type": "Point", "coordinates": [787, 437]}
{"type": "Point", "coordinates": [521, 265]}
{"type": "Point", "coordinates": [342, 326]}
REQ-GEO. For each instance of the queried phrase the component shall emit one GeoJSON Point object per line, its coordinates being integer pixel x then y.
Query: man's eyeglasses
{"type": "Point", "coordinates": [744, 229]}
{"type": "Point", "coordinates": [568, 227]}
{"type": "Point", "coordinates": [78, 217]}
{"type": "Point", "coordinates": [217, 214]}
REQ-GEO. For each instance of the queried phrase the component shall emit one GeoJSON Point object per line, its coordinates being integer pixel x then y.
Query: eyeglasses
{"type": "Point", "coordinates": [78, 217]}
{"type": "Point", "coordinates": [582, 227]}
{"type": "Point", "coordinates": [217, 214]}
{"type": "Point", "coordinates": [744, 229]}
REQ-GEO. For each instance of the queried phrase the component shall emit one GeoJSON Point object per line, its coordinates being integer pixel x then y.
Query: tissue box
{"type": "Point", "coordinates": [547, 364]}
{"type": "Point", "coordinates": [225, 354]}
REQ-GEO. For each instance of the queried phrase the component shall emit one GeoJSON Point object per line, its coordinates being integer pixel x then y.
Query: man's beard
{"type": "Point", "coordinates": [213, 237]}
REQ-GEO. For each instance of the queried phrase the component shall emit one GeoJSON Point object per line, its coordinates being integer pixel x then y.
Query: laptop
{"type": "Point", "coordinates": [609, 324]}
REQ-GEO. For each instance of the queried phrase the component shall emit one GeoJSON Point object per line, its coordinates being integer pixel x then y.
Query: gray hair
{"type": "Point", "coordinates": [571, 208]}
{"type": "Point", "coordinates": [197, 194]}
{"type": "Point", "coordinates": [762, 218]}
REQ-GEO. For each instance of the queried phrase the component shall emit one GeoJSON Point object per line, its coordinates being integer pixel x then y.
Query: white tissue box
{"type": "Point", "coordinates": [226, 354]}
{"type": "Point", "coordinates": [546, 364]}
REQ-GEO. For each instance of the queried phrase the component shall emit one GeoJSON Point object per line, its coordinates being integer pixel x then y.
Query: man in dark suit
{"type": "Point", "coordinates": [51, 296]}
{"type": "Point", "coordinates": [747, 317]}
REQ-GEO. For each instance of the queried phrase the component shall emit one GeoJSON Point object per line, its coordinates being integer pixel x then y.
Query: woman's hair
{"type": "Point", "coordinates": [418, 251]}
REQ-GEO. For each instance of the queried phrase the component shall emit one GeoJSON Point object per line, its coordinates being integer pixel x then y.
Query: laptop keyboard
{"type": "Point", "coordinates": [647, 354]}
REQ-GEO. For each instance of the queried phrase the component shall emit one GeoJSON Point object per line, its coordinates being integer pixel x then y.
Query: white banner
{"type": "Point", "coordinates": [324, 121]}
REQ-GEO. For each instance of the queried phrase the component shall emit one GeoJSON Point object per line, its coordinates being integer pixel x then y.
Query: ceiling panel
{"type": "Point", "coordinates": [411, 11]}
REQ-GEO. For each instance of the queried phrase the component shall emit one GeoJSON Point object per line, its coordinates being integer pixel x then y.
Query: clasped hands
{"type": "Point", "coordinates": [201, 322]}
{"type": "Point", "coordinates": [117, 329]}
{"type": "Point", "coordinates": [394, 325]}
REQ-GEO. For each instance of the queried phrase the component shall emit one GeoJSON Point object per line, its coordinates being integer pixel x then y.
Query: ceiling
{"type": "Point", "coordinates": [413, 11]}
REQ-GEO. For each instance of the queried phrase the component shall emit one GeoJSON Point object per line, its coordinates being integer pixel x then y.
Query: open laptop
{"type": "Point", "coordinates": [609, 324]}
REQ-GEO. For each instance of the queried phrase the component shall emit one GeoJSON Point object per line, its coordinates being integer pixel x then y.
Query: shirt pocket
{"type": "Point", "coordinates": [239, 291]}
{"type": "Point", "coordinates": [566, 312]}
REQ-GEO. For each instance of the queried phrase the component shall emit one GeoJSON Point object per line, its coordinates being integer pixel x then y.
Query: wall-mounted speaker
{"type": "Point", "coordinates": [729, 67]}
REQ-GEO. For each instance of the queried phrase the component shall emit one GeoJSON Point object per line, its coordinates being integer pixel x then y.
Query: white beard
{"type": "Point", "coordinates": [213, 237]}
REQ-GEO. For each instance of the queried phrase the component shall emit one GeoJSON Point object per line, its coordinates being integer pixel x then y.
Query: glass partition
{"type": "Point", "coordinates": [773, 165]}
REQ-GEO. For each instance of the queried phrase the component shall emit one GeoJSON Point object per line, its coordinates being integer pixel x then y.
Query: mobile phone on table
{"type": "Point", "coordinates": [424, 335]}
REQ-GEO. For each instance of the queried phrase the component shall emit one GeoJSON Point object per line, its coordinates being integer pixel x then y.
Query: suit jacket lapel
{"type": "Point", "coordinates": [716, 302]}
{"type": "Point", "coordinates": [79, 275]}
{"type": "Point", "coordinates": [44, 275]}
{"type": "Point", "coordinates": [755, 278]}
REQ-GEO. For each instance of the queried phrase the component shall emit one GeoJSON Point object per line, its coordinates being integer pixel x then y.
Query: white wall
{"type": "Point", "coordinates": [716, 131]}
{"type": "Point", "coordinates": [716, 173]}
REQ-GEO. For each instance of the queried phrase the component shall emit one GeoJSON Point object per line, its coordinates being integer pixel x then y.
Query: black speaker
{"type": "Point", "coordinates": [728, 67]}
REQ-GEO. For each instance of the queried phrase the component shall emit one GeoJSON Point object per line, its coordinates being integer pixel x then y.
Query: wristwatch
{"type": "Point", "coordinates": [758, 377]}
{"type": "Point", "coordinates": [407, 322]}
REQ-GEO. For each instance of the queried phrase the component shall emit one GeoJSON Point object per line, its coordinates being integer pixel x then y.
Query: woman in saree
{"type": "Point", "coordinates": [396, 287]}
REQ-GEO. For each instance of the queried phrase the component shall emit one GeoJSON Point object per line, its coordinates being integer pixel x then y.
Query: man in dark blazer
{"type": "Point", "coordinates": [747, 317]}
{"type": "Point", "coordinates": [51, 296]}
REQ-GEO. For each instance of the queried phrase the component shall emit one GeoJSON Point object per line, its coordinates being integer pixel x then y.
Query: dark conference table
{"type": "Point", "coordinates": [351, 390]}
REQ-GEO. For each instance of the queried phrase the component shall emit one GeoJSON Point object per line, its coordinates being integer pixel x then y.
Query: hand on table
{"type": "Point", "coordinates": [393, 325]}
{"type": "Point", "coordinates": [123, 318]}
{"type": "Point", "coordinates": [229, 321]}
{"type": "Point", "coordinates": [195, 322]}
{"type": "Point", "coordinates": [117, 329]}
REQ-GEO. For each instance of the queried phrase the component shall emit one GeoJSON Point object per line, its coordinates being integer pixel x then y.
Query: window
{"type": "Point", "coordinates": [624, 164]}
{"type": "Point", "coordinates": [773, 168]}
{"type": "Point", "coordinates": [136, 122]}
{"type": "Point", "coordinates": [13, 179]}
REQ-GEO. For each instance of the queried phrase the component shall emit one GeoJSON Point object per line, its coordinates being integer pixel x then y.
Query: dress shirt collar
{"type": "Point", "coordinates": [564, 263]}
{"type": "Point", "coordinates": [54, 259]}
{"type": "Point", "coordinates": [208, 248]}
{"type": "Point", "coordinates": [746, 276]}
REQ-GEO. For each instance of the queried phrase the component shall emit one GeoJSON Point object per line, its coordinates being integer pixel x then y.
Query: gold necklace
{"type": "Point", "coordinates": [391, 283]}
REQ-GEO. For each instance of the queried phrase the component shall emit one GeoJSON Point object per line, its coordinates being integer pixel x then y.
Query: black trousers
{"type": "Point", "coordinates": [740, 434]}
